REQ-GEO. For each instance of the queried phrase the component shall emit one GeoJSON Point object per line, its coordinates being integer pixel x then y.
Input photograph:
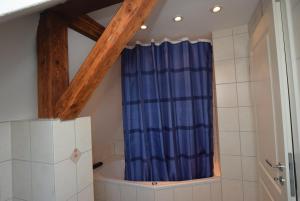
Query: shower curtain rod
{"type": "Point", "coordinates": [167, 40]}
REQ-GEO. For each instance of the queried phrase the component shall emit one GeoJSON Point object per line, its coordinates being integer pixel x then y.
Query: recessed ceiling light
{"type": "Point", "coordinates": [143, 27]}
{"type": "Point", "coordinates": [178, 18]}
{"type": "Point", "coordinates": [216, 9]}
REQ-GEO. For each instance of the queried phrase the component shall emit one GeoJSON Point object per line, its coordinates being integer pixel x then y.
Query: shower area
{"type": "Point", "coordinates": [185, 123]}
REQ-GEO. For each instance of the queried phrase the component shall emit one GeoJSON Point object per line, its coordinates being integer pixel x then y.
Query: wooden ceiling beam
{"type": "Point", "coordinates": [53, 66]}
{"type": "Point", "coordinates": [87, 26]}
{"type": "Point", "coordinates": [121, 29]}
{"type": "Point", "coordinates": [76, 8]}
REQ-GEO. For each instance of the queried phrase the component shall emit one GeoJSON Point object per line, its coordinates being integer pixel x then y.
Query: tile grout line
{"type": "Point", "coordinates": [239, 121]}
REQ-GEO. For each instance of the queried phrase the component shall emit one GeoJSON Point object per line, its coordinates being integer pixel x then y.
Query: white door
{"type": "Point", "coordinates": [271, 102]}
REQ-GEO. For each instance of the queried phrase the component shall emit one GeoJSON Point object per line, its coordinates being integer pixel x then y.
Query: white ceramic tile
{"type": "Point", "coordinates": [42, 176]}
{"type": "Point", "coordinates": [231, 167]}
{"type": "Point", "coordinates": [248, 143]}
{"type": "Point", "coordinates": [242, 70]}
{"type": "Point", "coordinates": [65, 180]}
{"type": "Point", "coordinates": [112, 192]}
{"type": "Point", "coordinates": [145, 194]}
{"type": "Point", "coordinates": [244, 98]}
{"type": "Point", "coordinates": [5, 180]}
{"type": "Point", "coordinates": [216, 191]}
{"type": "Point", "coordinates": [22, 179]}
{"type": "Point", "coordinates": [64, 139]}
{"type": "Point", "coordinates": [223, 48]}
{"type": "Point", "coordinates": [128, 193]}
{"type": "Point", "coordinates": [15, 199]}
{"type": "Point", "coordinates": [164, 195]}
{"type": "Point", "coordinates": [221, 33]}
{"type": "Point", "coordinates": [241, 45]}
{"type": "Point", "coordinates": [249, 168]}
{"type": "Point", "coordinates": [5, 142]}
{"type": "Point", "coordinates": [41, 141]}
{"type": "Point", "coordinates": [87, 194]}
{"type": "Point", "coordinates": [84, 171]}
{"type": "Point", "coordinates": [73, 198]}
{"type": "Point", "coordinates": [119, 148]}
{"type": "Point", "coordinates": [228, 119]}
{"type": "Point", "coordinates": [183, 193]}
{"type": "Point", "coordinates": [200, 192]}
{"type": "Point", "coordinates": [240, 29]}
{"type": "Point", "coordinates": [99, 190]}
{"type": "Point", "coordinates": [20, 132]}
{"type": "Point", "coordinates": [230, 143]}
{"type": "Point", "coordinates": [250, 191]}
{"type": "Point", "coordinates": [83, 133]}
{"type": "Point", "coordinates": [226, 95]}
{"type": "Point", "coordinates": [246, 119]}
{"type": "Point", "coordinates": [225, 71]}
{"type": "Point", "coordinates": [232, 190]}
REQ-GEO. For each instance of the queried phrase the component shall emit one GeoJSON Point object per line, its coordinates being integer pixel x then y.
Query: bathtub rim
{"type": "Point", "coordinates": [159, 185]}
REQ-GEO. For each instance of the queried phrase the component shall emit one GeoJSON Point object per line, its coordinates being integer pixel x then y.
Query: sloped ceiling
{"type": "Point", "coordinates": [198, 20]}
{"type": "Point", "coordinates": [10, 9]}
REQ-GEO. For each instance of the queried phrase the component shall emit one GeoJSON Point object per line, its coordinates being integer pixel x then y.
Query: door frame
{"type": "Point", "coordinates": [284, 82]}
{"type": "Point", "coordinates": [293, 76]}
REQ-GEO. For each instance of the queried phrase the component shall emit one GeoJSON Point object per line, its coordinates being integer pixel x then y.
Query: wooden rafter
{"type": "Point", "coordinates": [106, 51]}
{"type": "Point", "coordinates": [52, 53]}
{"type": "Point", "coordinates": [86, 26]}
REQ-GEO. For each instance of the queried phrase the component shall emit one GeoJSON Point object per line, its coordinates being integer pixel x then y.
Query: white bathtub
{"type": "Point", "coordinates": [110, 186]}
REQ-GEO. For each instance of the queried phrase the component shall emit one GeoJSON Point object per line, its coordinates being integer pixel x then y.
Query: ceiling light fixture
{"type": "Point", "coordinates": [143, 27]}
{"type": "Point", "coordinates": [178, 18]}
{"type": "Point", "coordinates": [216, 9]}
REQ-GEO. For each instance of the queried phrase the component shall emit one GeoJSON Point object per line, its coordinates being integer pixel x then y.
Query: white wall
{"type": "Point", "coordinates": [105, 105]}
{"type": "Point", "coordinates": [18, 76]}
{"type": "Point", "coordinates": [235, 118]}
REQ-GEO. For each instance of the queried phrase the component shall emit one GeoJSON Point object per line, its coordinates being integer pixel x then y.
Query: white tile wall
{"type": "Point", "coordinates": [164, 195]}
{"type": "Point", "coordinates": [228, 119]}
{"type": "Point", "coordinates": [42, 168]}
{"type": "Point", "coordinates": [230, 143]}
{"type": "Point", "coordinates": [63, 139]}
{"type": "Point", "coordinates": [43, 187]}
{"type": "Point", "coordinates": [65, 180]}
{"type": "Point", "coordinates": [145, 194]}
{"type": "Point", "coordinates": [184, 193]}
{"type": "Point", "coordinates": [83, 138]}
{"type": "Point", "coordinates": [20, 132]}
{"type": "Point", "coordinates": [223, 48]}
{"type": "Point", "coordinates": [5, 180]}
{"type": "Point", "coordinates": [225, 71]}
{"type": "Point", "coordinates": [41, 141]}
{"type": "Point", "coordinates": [5, 142]}
{"type": "Point", "coordinates": [209, 190]}
{"type": "Point", "coordinates": [235, 116]}
{"type": "Point", "coordinates": [231, 167]}
{"type": "Point", "coordinates": [22, 179]}
{"type": "Point", "coordinates": [227, 96]}
{"type": "Point", "coordinates": [128, 193]}
{"type": "Point", "coordinates": [202, 192]}
{"type": "Point", "coordinates": [242, 69]}
{"type": "Point", "coordinates": [232, 190]}
{"type": "Point", "coordinates": [86, 194]}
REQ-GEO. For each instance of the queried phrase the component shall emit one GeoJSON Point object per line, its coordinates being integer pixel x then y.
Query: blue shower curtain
{"type": "Point", "coordinates": [167, 111]}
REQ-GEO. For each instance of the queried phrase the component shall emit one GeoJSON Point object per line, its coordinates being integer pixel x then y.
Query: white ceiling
{"type": "Point", "coordinates": [198, 21]}
{"type": "Point", "coordinates": [10, 9]}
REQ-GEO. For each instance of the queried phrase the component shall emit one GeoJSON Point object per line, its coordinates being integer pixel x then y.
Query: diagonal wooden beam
{"type": "Point", "coordinates": [52, 54]}
{"type": "Point", "coordinates": [106, 51]}
{"type": "Point", "coordinates": [87, 26]}
{"type": "Point", "coordinates": [76, 8]}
